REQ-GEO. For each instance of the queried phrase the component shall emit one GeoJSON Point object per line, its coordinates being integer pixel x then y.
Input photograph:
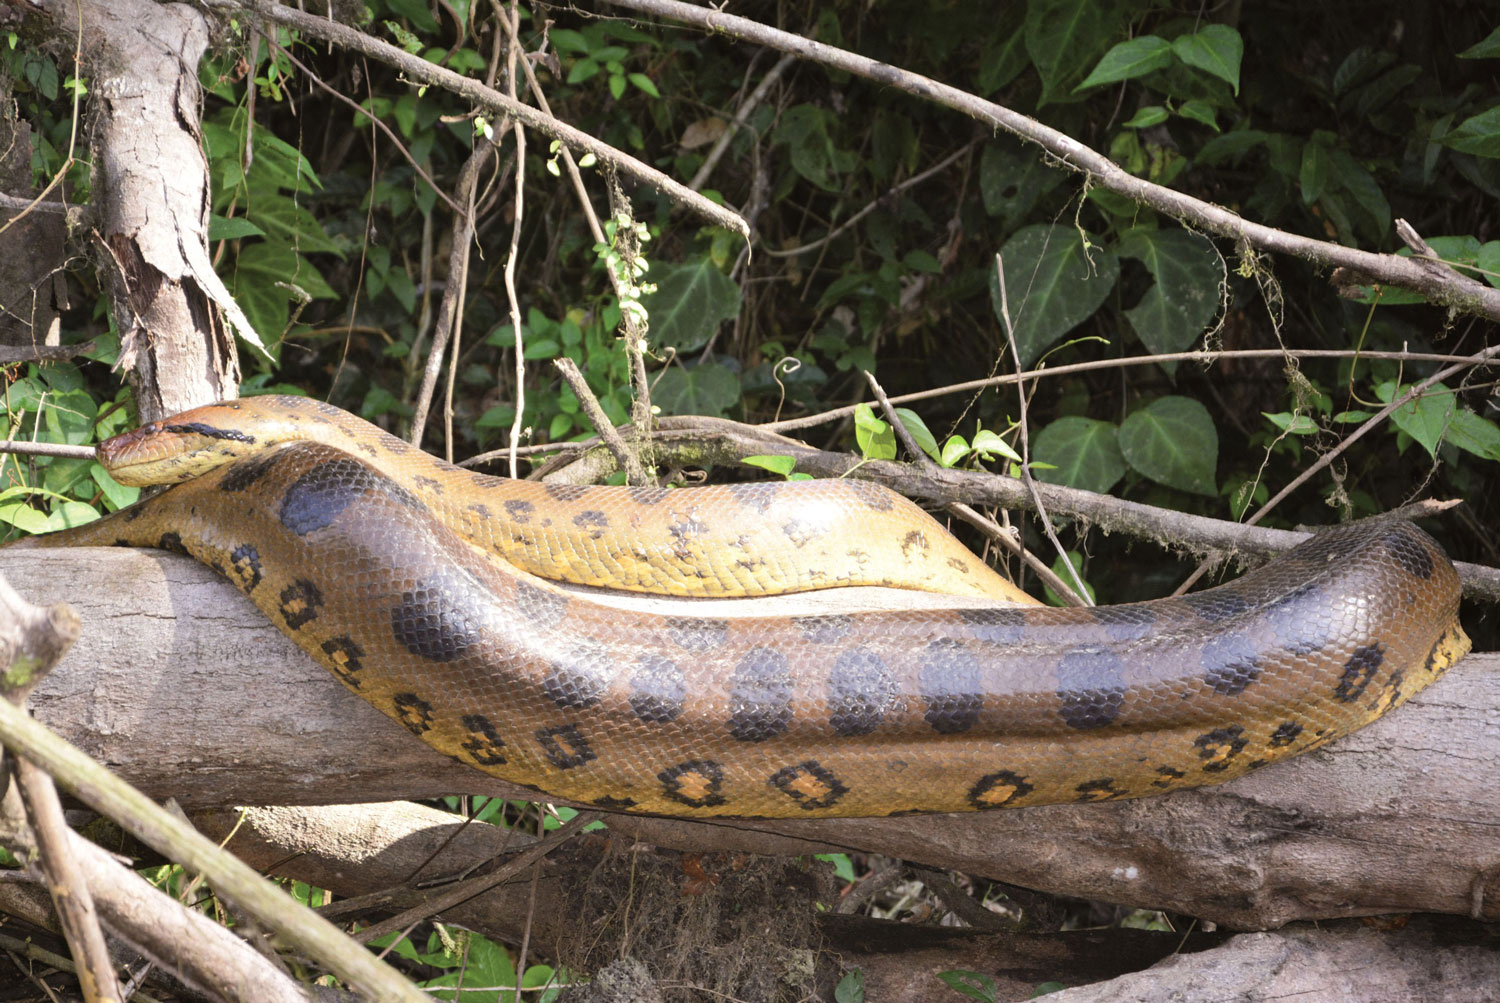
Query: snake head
{"type": "Point", "coordinates": [191, 443]}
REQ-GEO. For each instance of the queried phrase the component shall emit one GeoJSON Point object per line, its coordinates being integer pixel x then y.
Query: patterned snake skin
{"type": "Point", "coordinates": [831, 715]}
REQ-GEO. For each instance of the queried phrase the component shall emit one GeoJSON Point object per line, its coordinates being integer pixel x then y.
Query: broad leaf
{"type": "Point", "coordinates": [1180, 306]}
{"type": "Point", "coordinates": [691, 300]}
{"type": "Point", "coordinates": [1085, 453]}
{"type": "Point", "coordinates": [1129, 59]}
{"type": "Point", "coordinates": [1052, 285]}
{"type": "Point", "coordinates": [1064, 37]}
{"type": "Point", "coordinates": [1173, 441]}
{"type": "Point", "coordinates": [1479, 135]}
{"type": "Point", "coordinates": [1216, 50]}
{"type": "Point", "coordinates": [709, 389]}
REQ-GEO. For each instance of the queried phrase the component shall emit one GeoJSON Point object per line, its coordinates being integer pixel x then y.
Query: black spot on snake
{"type": "Point", "coordinates": [565, 492]}
{"type": "Point", "coordinates": [829, 628]}
{"type": "Point", "coordinates": [1285, 734]}
{"type": "Point", "coordinates": [579, 678]}
{"type": "Point", "coordinates": [657, 689]}
{"type": "Point", "coordinates": [171, 542]}
{"type": "Point", "coordinates": [244, 565]}
{"type": "Point", "coordinates": [1216, 604]}
{"type": "Point", "coordinates": [431, 484]}
{"type": "Point", "coordinates": [299, 603]}
{"type": "Point", "coordinates": [542, 608]}
{"type": "Point", "coordinates": [483, 511]}
{"type": "Point", "coordinates": [240, 475]}
{"type": "Point", "coordinates": [1004, 625]}
{"type": "Point", "coordinates": [565, 746]}
{"type": "Point", "coordinates": [1169, 776]}
{"type": "Point", "coordinates": [592, 520]}
{"type": "Point", "coordinates": [696, 633]}
{"type": "Point", "coordinates": [442, 617]}
{"type": "Point", "coordinates": [1090, 687]}
{"type": "Point", "coordinates": [1409, 552]}
{"type": "Point", "coordinates": [949, 681]}
{"type": "Point", "coordinates": [346, 658]}
{"type": "Point", "coordinates": [484, 744]}
{"type": "Point", "coordinates": [684, 532]}
{"type": "Point", "coordinates": [1358, 671]}
{"type": "Point", "coordinates": [198, 428]}
{"type": "Point", "coordinates": [760, 696]}
{"type": "Point", "coordinates": [801, 532]}
{"type": "Point", "coordinates": [996, 790]}
{"type": "Point", "coordinates": [870, 494]}
{"type": "Point", "coordinates": [607, 801]}
{"type": "Point", "coordinates": [519, 511]}
{"type": "Point", "coordinates": [696, 783]}
{"type": "Point", "coordinates": [1102, 789]}
{"type": "Point", "coordinates": [1230, 662]}
{"type": "Point", "coordinates": [757, 496]}
{"type": "Point", "coordinates": [647, 495]}
{"type": "Point", "coordinates": [809, 784]}
{"type": "Point", "coordinates": [413, 712]}
{"type": "Point", "coordinates": [913, 543]}
{"type": "Point", "coordinates": [1218, 748]}
{"type": "Point", "coordinates": [315, 500]}
{"type": "Point", "coordinates": [861, 691]}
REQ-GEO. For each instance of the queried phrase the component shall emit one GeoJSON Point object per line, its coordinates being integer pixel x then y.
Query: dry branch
{"type": "Point", "coordinates": [184, 689]}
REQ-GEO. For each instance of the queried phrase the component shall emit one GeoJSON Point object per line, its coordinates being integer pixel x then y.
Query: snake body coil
{"type": "Point", "coordinates": [831, 715]}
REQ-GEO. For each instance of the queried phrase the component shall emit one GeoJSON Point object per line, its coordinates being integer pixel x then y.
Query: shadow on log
{"type": "Point", "coordinates": [181, 686]}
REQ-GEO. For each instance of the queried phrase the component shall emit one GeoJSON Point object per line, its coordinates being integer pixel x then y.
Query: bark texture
{"type": "Point", "coordinates": [181, 685]}
{"type": "Point", "coordinates": [150, 185]}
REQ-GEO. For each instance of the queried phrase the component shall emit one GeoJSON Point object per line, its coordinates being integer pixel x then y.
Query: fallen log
{"type": "Point", "coordinates": [181, 686]}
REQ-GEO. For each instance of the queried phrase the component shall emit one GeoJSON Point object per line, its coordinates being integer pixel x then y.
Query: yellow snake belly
{"type": "Point", "coordinates": [719, 540]}
{"type": "Point", "coordinates": [830, 715]}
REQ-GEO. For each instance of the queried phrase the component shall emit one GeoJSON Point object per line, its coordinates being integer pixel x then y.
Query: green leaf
{"type": "Point", "coordinates": [1313, 178]}
{"type": "Point", "coordinates": [779, 465]}
{"type": "Point", "coordinates": [24, 517]}
{"type": "Point", "coordinates": [1488, 259]}
{"type": "Point", "coordinates": [955, 449]}
{"type": "Point", "coordinates": [1064, 37]}
{"type": "Point", "coordinates": [1051, 285]}
{"type": "Point", "coordinates": [708, 388]}
{"type": "Point", "coordinates": [1011, 180]}
{"type": "Point", "coordinates": [1351, 417]}
{"type": "Point", "coordinates": [1127, 60]}
{"type": "Point", "coordinates": [1488, 48]}
{"type": "Point", "coordinates": [1060, 569]}
{"type": "Point", "coordinates": [66, 515]}
{"type": "Point", "coordinates": [231, 228]}
{"type": "Point", "coordinates": [989, 445]}
{"type": "Point", "coordinates": [876, 439]}
{"type": "Point", "coordinates": [1047, 988]}
{"type": "Point", "coordinates": [115, 493]}
{"type": "Point", "coordinates": [1216, 50]}
{"type": "Point", "coordinates": [1479, 135]}
{"type": "Point", "coordinates": [851, 988]}
{"type": "Point", "coordinates": [1173, 442]}
{"type": "Point", "coordinates": [1199, 111]}
{"type": "Point", "coordinates": [1352, 177]}
{"type": "Point", "coordinates": [1473, 434]}
{"type": "Point", "coordinates": [914, 424]}
{"type": "Point", "coordinates": [644, 83]}
{"type": "Point", "coordinates": [803, 129]}
{"type": "Point", "coordinates": [1084, 453]}
{"type": "Point", "coordinates": [1230, 147]}
{"type": "Point", "coordinates": [1172, 314]}
{"type": "Point", "coordinates": [1296, 424]}
{"type": "Point", "coordinates": [975, 985]}
{"type": "Point", "coordinates": [691, 300]}
{"type": "Point", "coordinates": [1436, 417]}
{"type": "Point", "coordinates": [1146, 117]}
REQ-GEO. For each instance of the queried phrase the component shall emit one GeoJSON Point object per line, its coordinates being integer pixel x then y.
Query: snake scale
{"type": "Point", "coordinates": [403, 576]}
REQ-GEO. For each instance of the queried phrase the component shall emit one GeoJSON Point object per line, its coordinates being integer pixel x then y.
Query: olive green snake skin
{"type": "Point", "coordinates": [414, 583]}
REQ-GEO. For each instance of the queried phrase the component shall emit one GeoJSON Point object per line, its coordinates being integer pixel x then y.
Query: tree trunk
{"type": "Point", "coordinates": [182, 686]}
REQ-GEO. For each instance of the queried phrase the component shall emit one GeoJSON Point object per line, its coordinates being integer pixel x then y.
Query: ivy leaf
{"type": "Point", "coordinates": [690, 301]}
{"type": "Point", "coordinates": [1216, 50]}
{"type": "Point", "coordinates": [708, 388]}
{"type": "Point", "coordinates": [1084, 452]}
{"type": "Point", "coordinates": [1199, 111]}
{"type": "Point", "coordinates": [1479, 134]}
{"type": "Point", "coordinates": [780, 465]}
{"type": "Point", "coordinates": [1179, 307]}
{"type": "Point", "coordinates": [1064, 36]}
{"type": "Point", "coordinates": [989, 445]}
{"type": "Point", "coordinates": [1489, 48]}
{"type": "Point", "coordinates": [1173, 442]}
{"type": "Point", "coordinates": [1128, 60]}
{"type": "Point", "coordinates": [1146, 117]}
{"type": "Point", "coordinates": [955, 449]}
{"type": "Point", "coordinates": [914, 424]}
{"type": "Point", "coordinates": [1052, 285]}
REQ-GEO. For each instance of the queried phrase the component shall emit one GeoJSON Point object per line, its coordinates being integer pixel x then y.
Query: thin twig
{"type": "Point", "coordinates": [416, 68]}
{"type": "Point", "coordinates": [47, 449]}
{"type": "Point", "coordinates": [740, 120]}
{"type": "Point", "coordinates": [624, 455]}
{"type": "Point", "coordinates": [10, 354]}
{"type": "Point", "coordinates": [463, 891]}
{"type": "Point", "coordinates": [1458, 292]}
{"type": "Point", "coordinates": [1078, 595]}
